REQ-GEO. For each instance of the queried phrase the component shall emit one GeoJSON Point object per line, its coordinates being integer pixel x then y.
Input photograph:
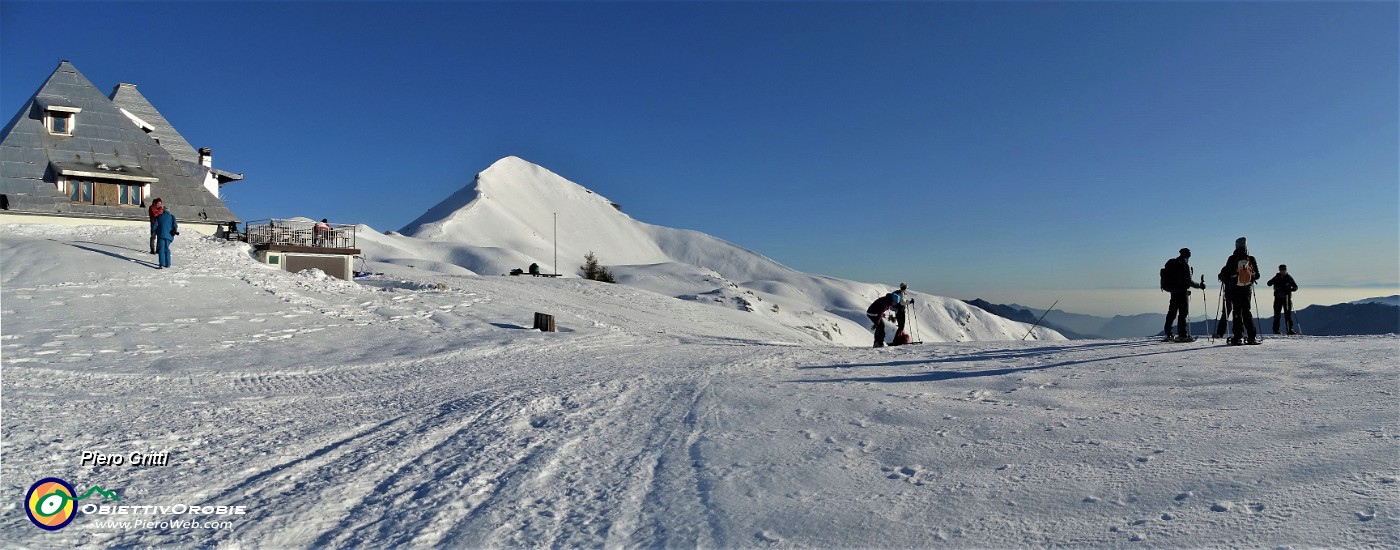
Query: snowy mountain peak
{"type": "Point", "coordinates": [520, 183]}
{"type": "Point", "coordinates": [508, 175]}
{"type": "Point", "coordinates": [513, 205]}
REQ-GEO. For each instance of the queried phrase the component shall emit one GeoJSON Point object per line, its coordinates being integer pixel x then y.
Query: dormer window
{"type": "Point", "coordinates": [61, 124]}
{"type": "Point", "coordinates": [59, 116]}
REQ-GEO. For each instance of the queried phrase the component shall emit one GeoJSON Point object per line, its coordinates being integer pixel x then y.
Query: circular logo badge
{"type": "Point", "coordinates": [49, 503]}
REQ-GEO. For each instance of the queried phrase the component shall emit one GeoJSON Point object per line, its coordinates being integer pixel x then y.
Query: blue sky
{"type": "Point", "coordinates": [1010, 151]}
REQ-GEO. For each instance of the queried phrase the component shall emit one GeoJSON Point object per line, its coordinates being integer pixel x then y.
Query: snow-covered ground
{"type": "Point", "coordinates": [419, 409]}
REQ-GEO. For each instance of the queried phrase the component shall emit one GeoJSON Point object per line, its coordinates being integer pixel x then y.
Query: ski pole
{"type": "Point", "coordinates": [1205, 306]}
{"type": "Point", "coordinates": [1293, 314]}
{"type": "Point", "coordinates": [913, 324]}
{"type": "Point", "coordinates": [1219, 314]}
{"type": "Point", "coordinates": [1252, 291]}
{"type": "Point", "coordinates": [1037, 322]}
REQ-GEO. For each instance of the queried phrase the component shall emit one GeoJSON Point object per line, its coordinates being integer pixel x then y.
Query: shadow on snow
{"type": "Point", "coordinates": [151, 265]}
{"type": "Point", "coordinates": [936, 376]}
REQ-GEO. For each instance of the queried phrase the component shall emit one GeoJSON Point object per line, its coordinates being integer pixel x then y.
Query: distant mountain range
{"type": "Point", "coordinates": [1370, 316]}
{"type": "Point", "coordinates": [1388, 300]}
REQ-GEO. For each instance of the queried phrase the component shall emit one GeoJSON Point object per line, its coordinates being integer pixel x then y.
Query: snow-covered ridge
{"type": "Point", "coordinates": [1393, 300]}
{"type": "Point", "coordinates": [506, 219]}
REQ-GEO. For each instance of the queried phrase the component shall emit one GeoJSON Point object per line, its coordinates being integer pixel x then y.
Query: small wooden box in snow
{"type": "Point", "coordinates": [544, 322]}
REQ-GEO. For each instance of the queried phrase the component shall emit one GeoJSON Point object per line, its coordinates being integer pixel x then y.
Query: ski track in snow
{"type": "Point", "coordinates": [397, 412]}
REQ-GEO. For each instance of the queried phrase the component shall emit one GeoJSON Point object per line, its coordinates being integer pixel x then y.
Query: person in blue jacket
{"type": "Point", "coordinates": [165, 229]}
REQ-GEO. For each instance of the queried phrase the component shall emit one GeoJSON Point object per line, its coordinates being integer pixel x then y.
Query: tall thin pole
{"type": "Point", "coordinates": [1205, 306]}
{"type": "Point", "coordinates": [1037, 321]}
{"type": "Point", "coordinates": [556, 243]}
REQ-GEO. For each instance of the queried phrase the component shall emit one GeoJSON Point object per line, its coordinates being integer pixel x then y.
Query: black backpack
{"type": "Point", "coordinates": [1166, 283]}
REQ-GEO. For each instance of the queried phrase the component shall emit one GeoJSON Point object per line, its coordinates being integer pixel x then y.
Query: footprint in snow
{"type": "Point", "coordinates": [768, 537]}
{"type": "Point", "coordinates": [1226, 506]}
{"type": "Point", "coordinates": [911, 474]}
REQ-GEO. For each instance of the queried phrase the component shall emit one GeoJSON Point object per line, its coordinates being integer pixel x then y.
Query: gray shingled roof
{"type": "Point", "coordinates": [30, 157]}
{"type": "Point", "coordinates": [125, 96]}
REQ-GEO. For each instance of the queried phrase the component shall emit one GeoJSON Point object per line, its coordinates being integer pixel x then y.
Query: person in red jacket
{"type": "Point", "coordinates": [321, 233]}
{"type": "Point", "coordinates": [157, 208]}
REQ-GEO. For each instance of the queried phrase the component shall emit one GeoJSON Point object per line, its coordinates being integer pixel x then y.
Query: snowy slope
{"type": "Point", "coordinates": [415, 410]}
{"type": "Point", "coordinates": [505, 220]}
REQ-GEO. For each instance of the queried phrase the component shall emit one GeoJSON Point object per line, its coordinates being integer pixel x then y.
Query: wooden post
{"type": "Point", "coordinates": [544, 322]}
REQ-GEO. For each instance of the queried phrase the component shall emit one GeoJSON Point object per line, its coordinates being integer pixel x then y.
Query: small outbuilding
{"type": "Point", "coordinates": [298, 244]}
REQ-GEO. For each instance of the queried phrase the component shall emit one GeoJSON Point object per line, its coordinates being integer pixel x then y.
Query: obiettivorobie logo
{"type": "Point", "coordinates": [51, 502]}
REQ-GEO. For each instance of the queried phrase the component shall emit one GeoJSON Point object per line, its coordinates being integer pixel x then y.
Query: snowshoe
{"type": "Point", "coordinates": [1234, 341]}
{"type": "Point", "coordinates": [1253, 342]}
{"type": "Point", "coordinates": [1169, 339]}
{"type": "Point", "coordinates": [1185, 338]}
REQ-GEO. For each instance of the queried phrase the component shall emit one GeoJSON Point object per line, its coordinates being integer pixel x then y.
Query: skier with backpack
{"type": "Point", "coordinates": [878, 308]}
{"type": "Point", "coordinates": [1238, 275]}
{"type": "Point", "coordinates": [1284, 286]}
{"type": "Point", "coordinates": [1176, 279]}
